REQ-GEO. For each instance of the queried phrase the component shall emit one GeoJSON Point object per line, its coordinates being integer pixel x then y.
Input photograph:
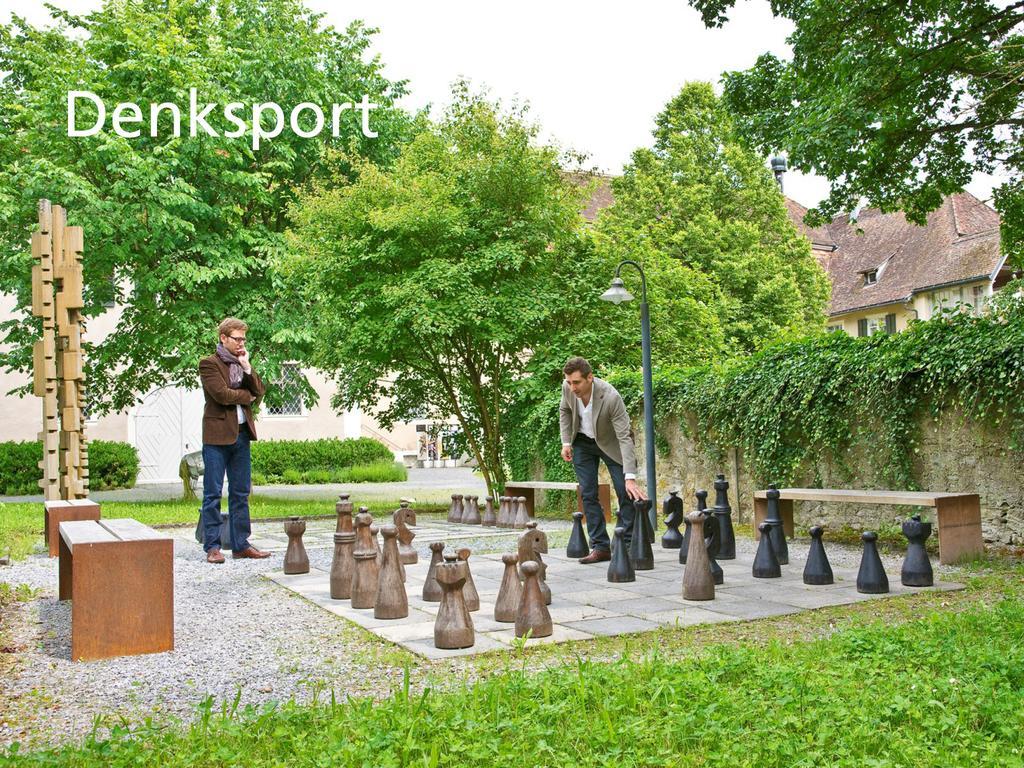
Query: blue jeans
{"type": "Point", "coordinates": [585, 458]}
{"type": "Point", "coordinates": [235, 461]}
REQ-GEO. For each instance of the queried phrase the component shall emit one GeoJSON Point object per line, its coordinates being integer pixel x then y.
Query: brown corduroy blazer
{"type": "Point", "coordinates": [220, 422]}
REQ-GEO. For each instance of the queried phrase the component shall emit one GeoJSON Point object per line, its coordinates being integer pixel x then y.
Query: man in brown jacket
{"type": "Point", "coordinates": [231, 388]}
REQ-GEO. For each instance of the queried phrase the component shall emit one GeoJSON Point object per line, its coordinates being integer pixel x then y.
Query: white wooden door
{"type": "Point", "coordinates": [168, 424]}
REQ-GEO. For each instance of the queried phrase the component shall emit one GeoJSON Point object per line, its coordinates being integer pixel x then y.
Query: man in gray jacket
{"type": "Point", "coordinates": [595, 426]}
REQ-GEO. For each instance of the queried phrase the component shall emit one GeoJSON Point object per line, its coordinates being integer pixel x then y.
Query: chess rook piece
{"type": "Point", "coordinates": [344, 509]}
{"type": "Point", "coordinates": [702, 505]}
{"type": "Point", "coordinates": [522, 515]}
{"type": "Point", "coordinates": [365, 580]}
{"type": "Point", "coordinates": [766, 564]}
{"type": "Point", "coordinates": [431, 589]}
{"type": "Point", "coordinates": [712, 541]}
{"type": "Point", "coordinates": [295, 558]}
{"type": "Point", "coordinates": [817, 570]}
{"type": "Point", "coordinates": [619, 568]}
{"type": "Point", "coordinates": [343, 566]}
{"type": "Point", "coordinates": [641, 556]}
{"type": "Point", "coordinates": [698, 583]}
{"type": "Point", "coordinates": [777, 532]}
{"type": "Point", "coordinates": [672, 511]}
{"type": "Point", "coordinates": [577, 546]}
{"type": "Point", "coordinates": [507, 604]}
{"type": "Point", "coordinates": [469, 592]}
{"type": "Point", "coordinates": [917, 568]}
{"type": "Point", "coordinates": [453, 627]}
{"type": "Point", "coordinates": [490, 519]}
{"type": "Point", "coordinates": [471, 515]}
{"type": "Point", "coordinates": [392, 602]}
{"type": "Point", "coordinates": [871, 578]}
{"type": "Point", "coordinates": [532, 616]}
{"type": "Point", "coordinates": [403, 517]}
{"type": "Point", "coordinates": [455, 510]}
{"type": "Point", "coordinates": [723, 513]}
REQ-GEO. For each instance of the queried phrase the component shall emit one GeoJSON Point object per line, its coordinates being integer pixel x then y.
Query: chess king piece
{"type": "Point", "coordinates": [469, 589]}
{"type": "Point", "coordinates": [507, 604]}
{"type": "Point", "coordinates": [490, 519]}
{"type": "Point", "coordinates": [776, 531]}
{"type": "Point", "coordinates": [471, 513]}
{"type": "Point", "coordinates": [702, 505]}
{"type": "Point", "coordinates": [817, 569]}
{"type": "Point", "coordinates": [343, 566]}
{"type": "Point", "coordinates": [917, 568]}
{"type": "Point", "coordinates": [522, 515]}
{"type": "Point", "coordinates": [532, 615]}
{"type": "Point", "coordinates": [391, 602]}
{"type": "Point", "coordinates": [295, 558]}
{"type": "Point", "coordinates": [431, 589]}
{"type": "Point", "coordinates": [453, 627]}
{"type": "Point", "coordinates": [698, 583]}
{"type": "Point", "coordinates": [871, 578]}
{"type": "Point", "coordinates": [403, 517]}
{"type": "Point", "coordinates": [620, 570]}
{"type": "Point", "coordinates": [672, 511]}
{"type": "Point", "coordinates": [712, 541]}
{"type": "Point", "coordinates": [723, 513]}
{"type": "Point", "coordinates": [532, 543]}
{"type": "Point", "coordinates": [344, 509]}
{"type": "Point", "coordinates": [766, 564]}
{"type": "Point", "coordinates": [366, 578]}
{"type": "Point", "coordinates": [577, 546]}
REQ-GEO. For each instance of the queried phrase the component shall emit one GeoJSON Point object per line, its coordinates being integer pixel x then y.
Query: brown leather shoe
{"type": "Point", "coordinates": [214, 556]}
{"type": "Point", "coordinates": [596, 556]}
{"type": "Point", "coordinates": [256, 554]}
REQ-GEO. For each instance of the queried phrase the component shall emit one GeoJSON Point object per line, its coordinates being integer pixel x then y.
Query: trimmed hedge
{"type": "Point", "coordinates": [111, 465]}
{"type": "Point", "coordinates": [275, 458]}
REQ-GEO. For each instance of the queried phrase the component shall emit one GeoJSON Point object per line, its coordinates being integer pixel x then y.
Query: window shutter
{"type": "Point", "coordinates": [862, 327]}
{"type": "Point", "coordinates": [890, 323]}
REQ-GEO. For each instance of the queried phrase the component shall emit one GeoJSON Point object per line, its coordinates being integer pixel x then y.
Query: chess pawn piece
{"type": "Point", "coordinates": [507, 604]}
{"type": "Point", "coordinates": [532, 615]}
{"type": "Point", "coordinates": [620, 570]}
{"type": "Point", "coordinates": [489, 519]}
{"type": "Point", "coordinates": [344, 509]}
{"type": "Point", "coordinates": [365, 580]}
{"type": "Point", "coordinates": [392, 602]}
{"type": "Point", "coordinates": [471, 515]}
{"type": "Point", "coordinates": [343, 566]}
{"type": "Point", "coordinates": [431, 589]}
{"type": "Point", "coordinates": [672, 511]}
{"type": "Point", "coordinates": [712, 541]}
{"type": "Point", "coordinates": [641, 556]}
{"type": "Point", "coordinates": [777, 532]}
{"type": "Point", "coordinates": [295, 558]}
{"type": "Point", "coordinates": [698, 583]}
{"type": "Point", "coordinates": [817, 569]}
{"type": "Point", "coordinates": [917, 568]}
{"type": "Point", "coordinates": [403, 517]}
{"type": "Point", "coordinates": [453, 627]}
{"type": "Point", "coordinates": [702, 505]}
{"type": "Point", "coordinates": [723, 513]}
{"type": "Point", "coordinates": [503, 516]}
{"type": "Point", "coordinates": [469, 590]}
{"type": "Point", "coordinates": [766, 564]}
{"type": "Point", "coordinates": [522, 515]}
{"type": "Point", "coordinates": [577, 546]}
{"type": "Point", "coordinates": [455, 510]}
{"type": "Point", "coordinates": [871, 578]}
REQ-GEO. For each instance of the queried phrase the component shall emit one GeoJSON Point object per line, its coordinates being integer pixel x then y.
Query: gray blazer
{"type": "Point", "coordinates": [612, 430]}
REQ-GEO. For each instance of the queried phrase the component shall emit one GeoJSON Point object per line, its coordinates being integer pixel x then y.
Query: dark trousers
{"type": "Point", "coordinates": [235, 461]}
{"type": "Point", "coordinates": [585, 458]}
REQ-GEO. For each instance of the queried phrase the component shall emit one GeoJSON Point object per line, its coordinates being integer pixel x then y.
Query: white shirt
{"type": "Point", "coordinates": [587, 418]}
{"type": "Point", "coordinates": [241, 414]}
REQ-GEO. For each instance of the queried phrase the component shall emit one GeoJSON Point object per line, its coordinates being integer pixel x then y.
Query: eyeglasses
{"type": "Point", "coordinates": [237, 339]}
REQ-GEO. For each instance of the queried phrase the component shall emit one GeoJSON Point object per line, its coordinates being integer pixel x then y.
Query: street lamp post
{"type": "Point", "coordinates": [617, 294]}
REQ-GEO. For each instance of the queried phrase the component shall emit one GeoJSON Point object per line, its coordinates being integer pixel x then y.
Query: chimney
{"type": "Point", "coordinates": [779, 169]}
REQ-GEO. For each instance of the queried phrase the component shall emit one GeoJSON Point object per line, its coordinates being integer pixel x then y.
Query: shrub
{"type": "Point", "coordinates": [111, 465]}
{"type": "Point", "coordinates": [274, 457]}
{"type": "Point", "coordinates": [378, 472]}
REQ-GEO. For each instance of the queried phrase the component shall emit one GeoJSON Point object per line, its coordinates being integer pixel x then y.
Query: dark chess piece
{"type": "Point", "coordinates": [344, 509]}
{"type": "Point", "coordinates": [871, 578]}
{"type": "Point", "coordinates": [702, 505]}
{"type": "Point", "coordinates": [641, 555]}
{"type": "Point", "coordinates": [698, 582]}
{"type": "Point", "coordinates": [392, 602]}
{"type": "Point", "coordinates": [917, 568]}
{"type": "Point", "coordinates": [403, 517]}
{"type": "Point", "coordinates": [619, 568]}
{"type": "Point", "coordinates": [451, 510]}
{"type": "Point", "coordinates": [577, 546]}
{"type": "Point", "coordinates": [453, 627]}
{"type": "Point", "coordinates": [507, 604]}
{"type": "Point", "coordinates": [532, 615]}
{"type": "Point", "coordinates": [365, 580]}
{"type": "Point", "coordinates": [672, 511]}
{"type": "Point", "coordinates": [723, 513]}
{"type": "Point", "coordinates": [522, 514]}
{"type": "Point", "coordinates": [766, 564]}
{"type": "Point", "coordinates": [431, 589]}
{"type": "Point", "coordinates": [532, 543]}
{"type": "Point", "coordinates": [776, 531]}
{"type": "Point", "coordinates": [817, 569]}
{"type": "Point", "coordinates": [459, 509]}
{"type": "Point", "coordinates": [343, 566]}
{"type": "Point", "coordinates": [295, 558]}
{"type": "Point", "coordinates": [469, 590]}
{"type": "Point", "coordinates": [471, 514]}
{"type": "Point", "coordinates": [490, 519]}
{"type": "Point", "coordinates": [499, 517]}
{"type": "Point", "coordinates": [712, 542]}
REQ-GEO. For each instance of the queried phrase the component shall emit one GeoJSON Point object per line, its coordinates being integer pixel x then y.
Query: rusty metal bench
{"type": "Point", "coordinates": [527, 488]}
{"type": "Point", "coordinates": [57, 511]}
{"type": "Point", "coordinates": [119, 576]}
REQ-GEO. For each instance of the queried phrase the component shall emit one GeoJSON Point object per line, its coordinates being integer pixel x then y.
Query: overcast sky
{"type": "Point", "coordinates": [595, 75]}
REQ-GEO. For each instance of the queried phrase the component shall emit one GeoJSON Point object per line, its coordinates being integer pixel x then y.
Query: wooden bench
{"type": "Point", "coordinates": [61, 511]}
{"type": "Point", "coordinates": [526, 488]}
{"type": "Point", "coordinates": [119, 577]}
{"type": "Point", "coordinates": [958, 514]}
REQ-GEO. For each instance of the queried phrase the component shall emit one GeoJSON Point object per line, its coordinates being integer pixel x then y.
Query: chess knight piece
{"type": "Point", "coordinates": [295, 558]}
{"type": "Point", "coordinates": [532, 543]}
{"type": "Point", "coordinates": [672, 511]}
{"type": "Point", "coordinates": [453, 627]}
{"type": "Point", "coordinates": [403, 517]}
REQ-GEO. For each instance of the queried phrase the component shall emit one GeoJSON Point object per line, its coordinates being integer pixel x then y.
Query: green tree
{"type": "Point", "coordinates": [896, 102]}
{"type": "Point", "coordinates": [180, 232]}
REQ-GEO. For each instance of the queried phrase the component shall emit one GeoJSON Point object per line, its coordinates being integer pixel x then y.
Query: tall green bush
{"type": "Point", "coordinates": [274, 457]}
{"type": "Point", "coordinates": [111, 465]}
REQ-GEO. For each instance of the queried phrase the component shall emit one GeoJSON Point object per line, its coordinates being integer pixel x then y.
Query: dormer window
{"type": "Point", "coordinates": [870, 277]}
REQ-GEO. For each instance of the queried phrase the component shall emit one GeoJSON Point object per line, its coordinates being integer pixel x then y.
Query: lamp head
{"type": "Point", "coordinates": [617, 292]}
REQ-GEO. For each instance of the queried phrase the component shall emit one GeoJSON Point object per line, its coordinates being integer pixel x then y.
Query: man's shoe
{"type": "Point", "coordinates": [214, 556]}
{"type": "Point", "coordinates": [596, 556]}
{"type": "Point", "coordinates": [256, 554]}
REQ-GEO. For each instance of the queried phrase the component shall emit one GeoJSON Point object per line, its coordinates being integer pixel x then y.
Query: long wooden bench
{"type": "Point", "coordinates": [526, 488]}
{"type": "Point", "coordinates": [958, 514]}
{"type": "Point", "coordinates": [119, 576]}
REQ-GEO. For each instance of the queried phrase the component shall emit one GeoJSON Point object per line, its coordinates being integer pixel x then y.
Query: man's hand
{"type": "Point", "coordinates": [243, 360]}
{"type": "Point", "coordinates": [634, 492]}
{"type": "Point", "coordinates": [567, 453]}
